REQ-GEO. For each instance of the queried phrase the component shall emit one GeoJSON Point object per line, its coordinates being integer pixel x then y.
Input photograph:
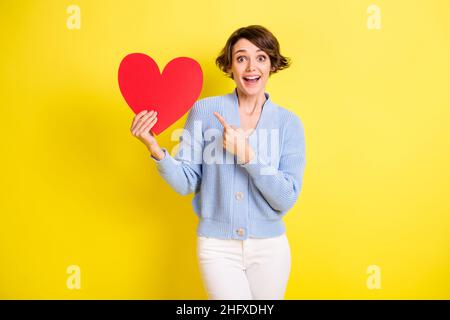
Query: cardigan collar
{"type": "Point", "coordinates": [267, 119]}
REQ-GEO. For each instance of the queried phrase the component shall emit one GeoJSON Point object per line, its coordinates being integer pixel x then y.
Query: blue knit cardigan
{"type": "Point", "coordinates": [233, 200]}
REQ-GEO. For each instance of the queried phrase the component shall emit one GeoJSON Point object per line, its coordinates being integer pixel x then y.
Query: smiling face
{"type": "Point", "coordinates": [250, 62]}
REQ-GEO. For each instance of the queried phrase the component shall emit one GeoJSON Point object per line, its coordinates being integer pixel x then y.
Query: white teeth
{"type": "Point", "coordinates": [251, 78]}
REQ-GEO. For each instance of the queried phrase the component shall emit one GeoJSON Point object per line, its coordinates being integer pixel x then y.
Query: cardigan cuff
{"type": "Point", "coordinates": [166, 163]}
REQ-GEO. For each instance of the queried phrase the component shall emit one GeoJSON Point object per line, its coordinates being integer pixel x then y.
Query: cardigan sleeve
{"type": "Point", "coordinates": [183, 172]}
{"type": "Point", "coordinates": [281, 188]}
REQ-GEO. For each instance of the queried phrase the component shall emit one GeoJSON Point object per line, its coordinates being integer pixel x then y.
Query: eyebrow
{"type": "Point", "coordinates": [245, 50]}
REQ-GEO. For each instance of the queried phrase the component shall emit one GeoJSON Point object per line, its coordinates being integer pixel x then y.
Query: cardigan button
{"type": "Point", "coordinates": [239, 195]}
{"type": "Point", "coordinates": [240, 232]}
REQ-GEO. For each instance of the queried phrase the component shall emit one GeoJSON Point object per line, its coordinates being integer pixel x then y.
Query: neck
{"type": "Point", "coordinates": [251, 103]}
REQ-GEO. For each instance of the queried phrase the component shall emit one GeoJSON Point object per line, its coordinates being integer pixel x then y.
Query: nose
{"type": "Point", "coordinates": [250, 66]}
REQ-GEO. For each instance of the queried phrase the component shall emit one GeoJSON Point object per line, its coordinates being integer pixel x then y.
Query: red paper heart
{"type": "Point", "coordinates": [171, 93]}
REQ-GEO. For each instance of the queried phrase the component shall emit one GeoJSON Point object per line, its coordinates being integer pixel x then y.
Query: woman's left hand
{"type": "Point", "coordinates": [235, 141]}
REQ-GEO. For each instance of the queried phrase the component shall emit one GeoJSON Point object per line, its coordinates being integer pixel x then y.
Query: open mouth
{"type": "Point", "coordinates": [251, 80]}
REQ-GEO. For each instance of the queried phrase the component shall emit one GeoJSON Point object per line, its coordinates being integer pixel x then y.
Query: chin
{"type": "Point", "coordinates": [251, 90]}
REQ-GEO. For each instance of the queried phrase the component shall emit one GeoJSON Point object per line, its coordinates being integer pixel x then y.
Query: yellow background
{"type": "Point", "coordinates": [78, 189]}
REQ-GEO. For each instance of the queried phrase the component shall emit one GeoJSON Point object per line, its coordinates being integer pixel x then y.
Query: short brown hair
{"type": "Point", "coordinates": [260, 37]}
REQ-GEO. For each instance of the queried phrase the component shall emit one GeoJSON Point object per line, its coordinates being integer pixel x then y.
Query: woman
{"type": "Point", "coordinates": [244, 158]}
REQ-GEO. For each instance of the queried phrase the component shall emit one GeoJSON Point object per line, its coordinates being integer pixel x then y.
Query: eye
{"type": "Point", "coordinates": [260, 58]}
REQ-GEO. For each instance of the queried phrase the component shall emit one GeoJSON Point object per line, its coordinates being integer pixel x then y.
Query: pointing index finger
{"type": "Point", "coordinates": [221, 120]}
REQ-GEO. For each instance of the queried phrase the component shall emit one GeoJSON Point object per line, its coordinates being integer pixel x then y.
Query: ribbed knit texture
{"type": "Point", "coordinates": [237, 201]}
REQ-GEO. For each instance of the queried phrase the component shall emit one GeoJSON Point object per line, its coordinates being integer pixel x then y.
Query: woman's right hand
{"type": "Point", "coordinates": [142, 124]}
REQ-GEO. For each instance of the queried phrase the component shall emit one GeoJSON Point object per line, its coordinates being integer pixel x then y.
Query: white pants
{"type": "Point", "coordinates": [244, 269]}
